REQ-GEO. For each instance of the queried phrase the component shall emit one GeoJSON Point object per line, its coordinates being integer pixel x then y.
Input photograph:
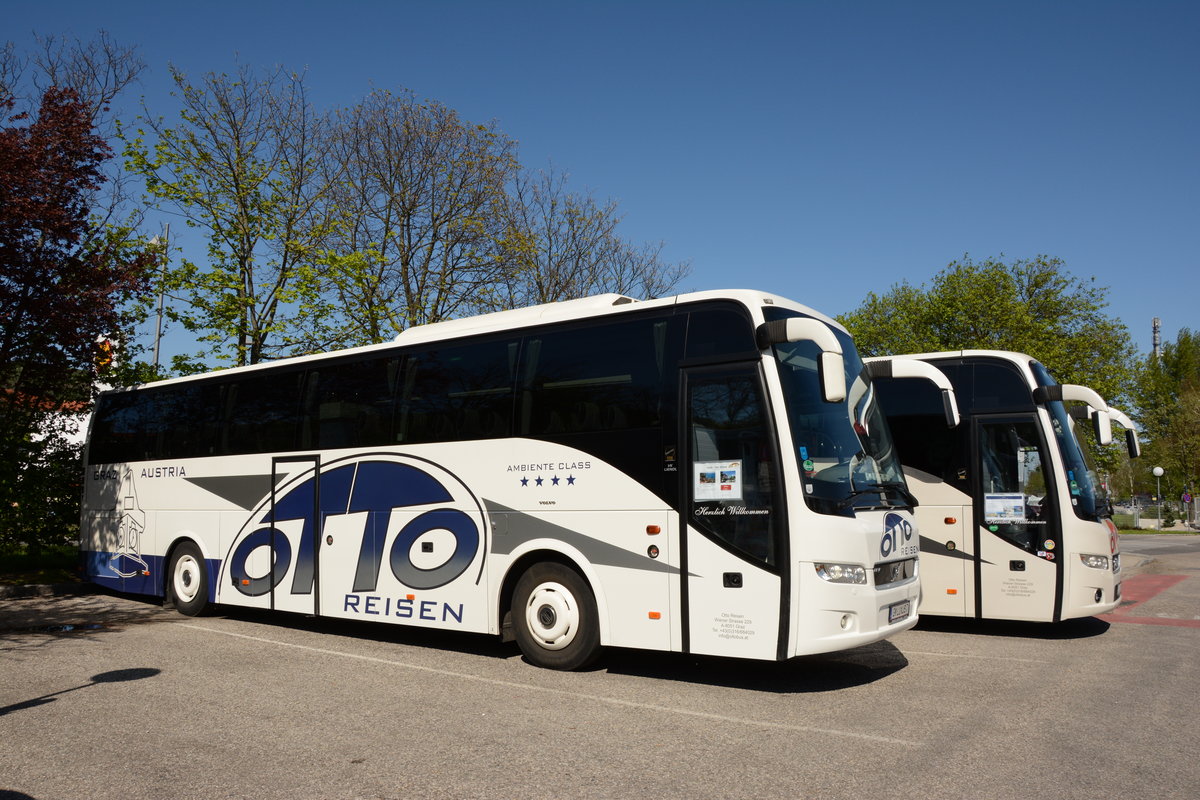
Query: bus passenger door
{"type": "Point", "coordinates": [1019, 570]}
{"type": "Point", "coordinates": [734, 528]}
{"type": "Point", "coordinates": [294, 523]}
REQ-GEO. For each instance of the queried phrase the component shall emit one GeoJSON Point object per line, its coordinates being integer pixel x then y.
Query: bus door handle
{"type": "Point", "coordinates": [1016, 566]}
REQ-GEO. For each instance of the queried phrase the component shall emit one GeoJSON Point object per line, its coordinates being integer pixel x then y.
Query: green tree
{"type": "Point", "coordinates": [343, 229]}
{"type": "Point", "coordinates": [1167, 396]}
{"type": "Point", "coordinates": [1034, 306]}
{"type": "Point", "coordinates": [1162, 381]}
{"type": "Point", "coordinates": [244, 164]}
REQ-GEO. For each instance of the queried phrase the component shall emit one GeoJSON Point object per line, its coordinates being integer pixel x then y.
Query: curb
{"type": "Point", "coordinates": [47, 590]}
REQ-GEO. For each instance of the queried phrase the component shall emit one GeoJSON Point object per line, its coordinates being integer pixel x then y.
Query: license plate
{"type": "Point", "coordinates": [898, 611]}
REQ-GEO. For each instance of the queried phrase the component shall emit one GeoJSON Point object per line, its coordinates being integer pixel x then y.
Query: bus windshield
{"type": "Point", "coordinates": [1082, 483]}
{"type": "Point", "coordinates": [845, 450]}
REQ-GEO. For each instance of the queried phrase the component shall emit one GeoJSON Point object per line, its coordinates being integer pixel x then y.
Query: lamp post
{"type": "Point", "coordinates": [162, 289]}
{"type": "Point", "coordinates": [1158, 473]}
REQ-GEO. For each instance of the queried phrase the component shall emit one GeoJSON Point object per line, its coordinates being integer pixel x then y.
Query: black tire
{"type": "Point", "coordinates": [187, 580]}
{"type": "Point", "coordinates": [554, 617]}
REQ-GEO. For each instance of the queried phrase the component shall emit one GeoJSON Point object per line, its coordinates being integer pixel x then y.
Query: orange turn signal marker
{"type": "Point", "coordinates": [410, 597]}
{"type": "Point", "coordinates": [655, 615]}
{"type": "Point", "coordinates": [952, 591]}
{"type": "Point", "coordinates": [245, 581]}
{"type": "Point", "coordinates": [653, 529]}
{"type": "Point", "coordinates": [951, 520]}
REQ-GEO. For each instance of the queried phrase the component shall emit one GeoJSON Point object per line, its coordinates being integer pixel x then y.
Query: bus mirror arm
{"type": "Point", "coordinates": [1073, 393]}
{"type": "Point", "coordinates": [832, 365]}
{"type": "Point", "coordinates": [898, 367]}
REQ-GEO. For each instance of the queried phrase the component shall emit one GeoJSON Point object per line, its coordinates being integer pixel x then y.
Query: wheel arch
{"type": "Point", "coordinates": [543, 552]}
{"type": "Point", "coordinates": [210, 564]}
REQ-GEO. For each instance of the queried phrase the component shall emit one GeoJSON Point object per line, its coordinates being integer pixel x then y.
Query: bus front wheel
{"type": "Point", "coordinates": [188, 580]}
{"type": "Point", "coordinates": [554, 616]}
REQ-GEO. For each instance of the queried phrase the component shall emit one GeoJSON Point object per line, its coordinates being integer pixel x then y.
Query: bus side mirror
{"type": "Point", "coordinates": [1132, 444]}
{"type": "Point", "coordinates": [1131, 438]}
{"type": "Point", "coordinates": [1102, 427]}
{"type": "Point", "coordinates": [1073, 393]}
{"type": "Point", "coordinates": [833, 377]}
{"type": "Point", "coordinates": [831, 365]}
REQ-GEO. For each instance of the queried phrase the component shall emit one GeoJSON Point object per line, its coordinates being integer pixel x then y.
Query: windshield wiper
{"type": "Point", "coordinates": [902, 489]}
{"type": "Point", "coordinates": [880, 489]}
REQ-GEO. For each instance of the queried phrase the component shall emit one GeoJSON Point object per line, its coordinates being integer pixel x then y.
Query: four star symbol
{"type": "Point", "coordinates": [554, 481]}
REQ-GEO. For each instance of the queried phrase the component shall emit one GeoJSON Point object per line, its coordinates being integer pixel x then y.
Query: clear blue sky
{"type": "Point", "coordinates": [819, 150]}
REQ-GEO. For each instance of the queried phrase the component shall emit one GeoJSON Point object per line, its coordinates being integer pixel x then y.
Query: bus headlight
{"type": "Point", "coordinates": [842, 573]}
{"type": "Point", "coordinates": [1094, 561]}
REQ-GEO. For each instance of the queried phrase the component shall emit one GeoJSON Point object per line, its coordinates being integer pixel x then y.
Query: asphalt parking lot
{"type": "Point", "coordinates": [111, 697]}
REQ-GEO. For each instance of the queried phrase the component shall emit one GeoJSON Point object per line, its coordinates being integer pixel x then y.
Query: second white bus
{"type": "Point", "coordinates": [1014, 523]}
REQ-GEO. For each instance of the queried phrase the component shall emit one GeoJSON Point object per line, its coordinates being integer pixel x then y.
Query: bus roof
{"type": "Point", "coordinates": [1007, 355]}
{"type": "Point", "coordinates": [515, 319]}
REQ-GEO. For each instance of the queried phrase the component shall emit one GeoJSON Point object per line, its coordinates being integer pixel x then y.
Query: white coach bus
{"type": "Point", "coordinates": [683, 474]}
{"type": "Point", "coordinates": [1014, 523]}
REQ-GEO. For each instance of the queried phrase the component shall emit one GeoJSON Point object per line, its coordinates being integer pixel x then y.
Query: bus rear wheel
{"type": "Point", "coordinates": [188, 580]}
{"type": "Point", "coordinates": [554, 617]}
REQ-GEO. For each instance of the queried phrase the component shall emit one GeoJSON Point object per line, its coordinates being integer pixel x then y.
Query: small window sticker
{"type": "Point", "coordinates": [717, 480]}
{"type": "Point", "coordinates": [1004, 507]}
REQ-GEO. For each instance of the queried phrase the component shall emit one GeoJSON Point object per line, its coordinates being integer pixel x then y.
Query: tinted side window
{"type": "Point", "coordinates": [351, 403]}
{"type": "Point", "coordinates": [600, 378]}
{"type": "Point", "coordinates": [176, 422]}
{"type": "Point", "coordinates": [187, 420]}
{"type": "Point", "coordinates": [984, 387]}
{"type": "Point", "coordinates": [998, 387]}
{"type": "Point", "coordinates": [716, 332]}
{"type": "Point", "coordinates": [262, 413]}
{"type": "Point", "coordinates": [459, 392]}
{"type": "Point", "coordinates": [118, 432]}
{"type": "Point", "coordinates": [918, 424]}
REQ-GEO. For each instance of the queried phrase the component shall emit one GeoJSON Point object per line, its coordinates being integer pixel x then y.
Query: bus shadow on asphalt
{"type": "Point", "coordinates": [827, 672]}
{"type": "Point", "coordinates": [480, 644]}
{"type": "Point", "coordinates": [1083, 628]}
{"type": "Point", "coordinates": [807, 674]}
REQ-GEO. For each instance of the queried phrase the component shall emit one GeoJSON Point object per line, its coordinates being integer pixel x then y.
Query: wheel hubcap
{"type": "Point", "coordinates": [552, 615]}
{"type": "Point", "coordinates": [185, 578]}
